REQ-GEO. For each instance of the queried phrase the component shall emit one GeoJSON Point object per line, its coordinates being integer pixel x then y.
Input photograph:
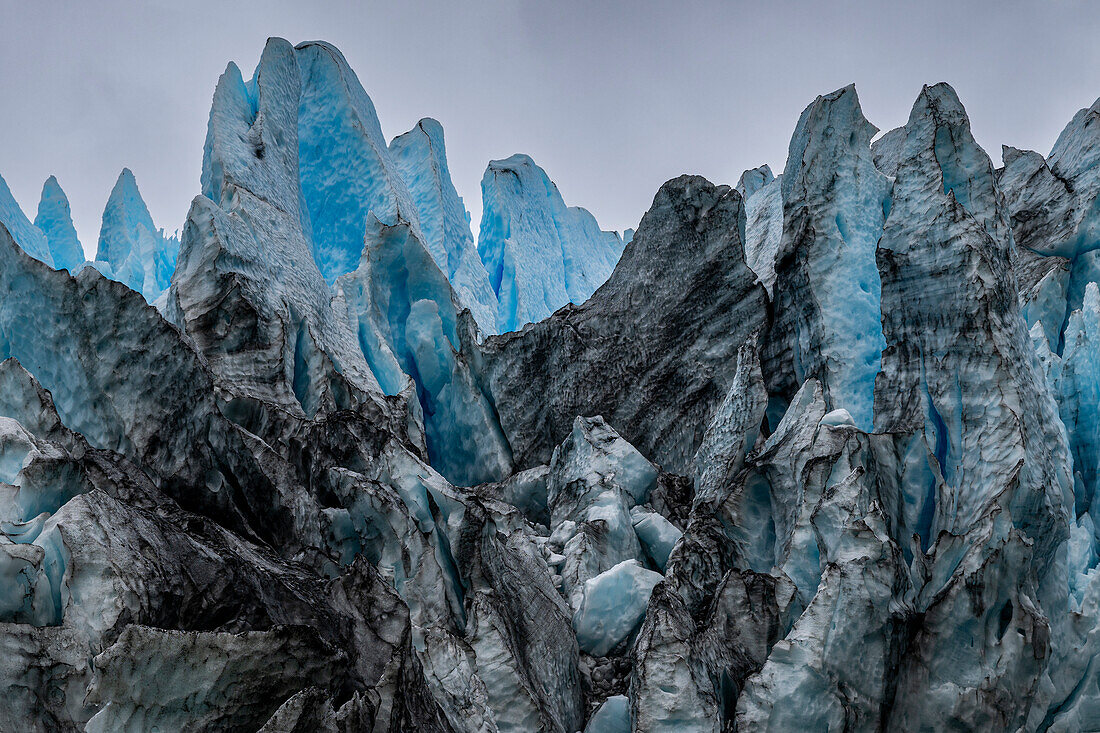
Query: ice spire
{"type": "Point", "coordinates": [140, 256]}
{"type": "Point", "coordinates": [421, 157]}
{"type": "Point", "coordinates": [834, 206]}
{"type": "Point", "coordinates": [344, 164]}
{"type": "Point", "coordinates": [56, 222]}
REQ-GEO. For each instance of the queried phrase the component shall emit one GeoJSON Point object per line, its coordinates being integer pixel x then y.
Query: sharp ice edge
{"type": "Point", "coordinates": [248, 512]}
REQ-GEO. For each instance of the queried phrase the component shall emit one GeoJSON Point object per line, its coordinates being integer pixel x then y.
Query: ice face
{"type": "Point", "coordinates": [56, 222]}
{"type": "Point", "coordinates": [139, 255]}
{"type": "Point", "coordinates": [25, 234]}
{"type": "Point", "coordinates": [943, 170]}
{"type": "Point", "coordinates": [539, 253]}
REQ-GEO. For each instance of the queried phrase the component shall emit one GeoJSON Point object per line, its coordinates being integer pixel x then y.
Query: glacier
{"type": "Point", "coordinates": [815, 451]}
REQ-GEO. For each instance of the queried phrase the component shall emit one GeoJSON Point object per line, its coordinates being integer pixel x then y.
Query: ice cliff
{"type": "Point", "coordinates": [813, 452]}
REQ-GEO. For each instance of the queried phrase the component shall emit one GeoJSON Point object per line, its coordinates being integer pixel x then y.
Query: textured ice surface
{"type": "Point", "coordinates": [539, 253]}
{"type": "Point", "coordinates": [612, 605]}
{"type": "Point", "coordinates": [139, 255]}
{"type": "Point", "coordinates": [56, 222]}
{"type": "Point", "coordinates": [345, 167]}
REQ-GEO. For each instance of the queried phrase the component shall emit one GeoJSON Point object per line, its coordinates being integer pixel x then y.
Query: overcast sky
{"type": "Point", "coordinates": [611, 98]}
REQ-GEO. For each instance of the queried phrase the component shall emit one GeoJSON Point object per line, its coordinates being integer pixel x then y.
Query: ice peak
{"type": "Point", "coordinates": [420, 156]}
{"type": "Point", "coordinates": [1077, 148]}
{"type": "Point", "coordinates": [754, 179]}
{"type": "Point", "coordinates": [137, 253]}
{"type": "Point", "coordinates": [830, 114]}
{"type": "Point", "coordinates": [834, 202]}
{"type": "Point", "coordinates": [1010, 155]}
{"type": "Point", "coordinates": [55, 220]}
{"type": "Point", "coordinates": [345, 167]}
{"type": "Point", "coordinates": [938, 124]}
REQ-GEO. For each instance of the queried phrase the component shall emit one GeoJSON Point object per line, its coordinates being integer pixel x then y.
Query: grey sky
{"type": "Point", "coordinates": [611, 98]}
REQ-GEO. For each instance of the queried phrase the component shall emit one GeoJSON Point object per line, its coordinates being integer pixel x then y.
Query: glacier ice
{"type": "Point", "coordinates": [612, 605]}
{"type": "Point", "coordinates": [345, 169]}
{"type": "Point", "coordinates": [56, 222]}
{"type": "Point", "coordinates": [29, 237]}
{"type": "Point", "coordinates": [613, 716]}
{"type": "Point", "coordinates": [595, 479]}
{"type": "Point", "coordinates": [539, 253]}
{"type": "Point", "coordinates": [1078, 390]}
{"type": "Point", "coordinates": [753, 180]}
{"type": "Point", "coordinates": [887, 150]}
{"type": "Point", "coordinates": [137, 254]}
{"type": "Point", "coordinates": [764, 229]}
{"type": "Point", "coordinates": [819, 454]}
{"type": "Point", "coordinates": [656, 533]}
{"type": "Point", "coordinates": [284, 345]}
{"type": "Point", "coordinates": [834, 206]}
{"type": "Point", "coordinates": [421, 158]}
{"type": "Point", "coordinates": [403, 309]}
{"type": "Point", "coordinates": [582, 364]}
